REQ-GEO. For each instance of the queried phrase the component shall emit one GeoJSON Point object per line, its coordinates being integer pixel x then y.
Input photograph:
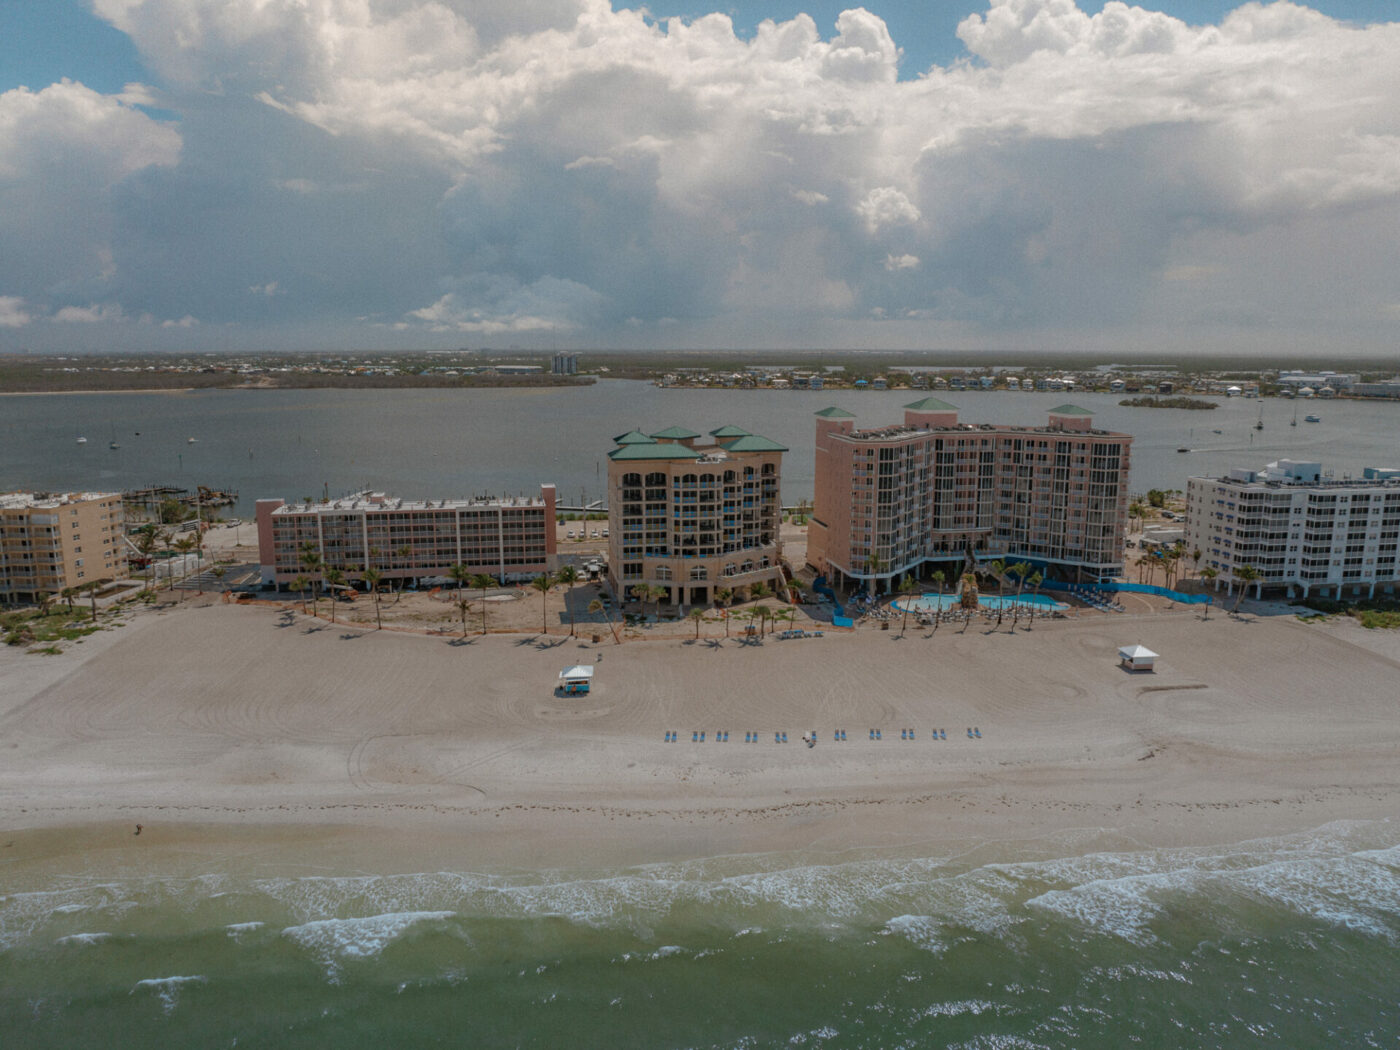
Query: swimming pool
{"type": "Point", "coordinates": [929, 602]}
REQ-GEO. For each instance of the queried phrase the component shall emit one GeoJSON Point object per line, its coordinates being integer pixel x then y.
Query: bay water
{"type": "Point", "coordinates": [441, 443]}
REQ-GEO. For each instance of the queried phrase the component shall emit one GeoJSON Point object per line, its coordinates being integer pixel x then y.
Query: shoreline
{"type": "Point", "coordinates": [302, 741]}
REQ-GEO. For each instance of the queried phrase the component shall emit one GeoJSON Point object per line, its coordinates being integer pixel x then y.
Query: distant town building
{"type": "Point", "coordinates": [1381, 388]}
{"type": "Point", "coordinates": [53, 541]}
{"type": "Point", "coordinates": [1336, 380]}
{"type": "Point", "coordinates": [1303, 532]}
{"type": "Point", "coordinates": [564, 364]}
{"type": "Point", "coordinates": [690, 518]}
{"type": "Point", "coordinates": [897, 499]}
{"type": "Point", "coordinates": [509, 539]}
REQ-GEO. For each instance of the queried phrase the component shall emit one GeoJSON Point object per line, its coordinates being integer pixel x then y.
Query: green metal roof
{"type": "Point", "coordinates": [836, 413]}
{"type": "Point", "coordinates": [1070, 410]}
{"type": "Point", "coordinates": [729, 431]}
{"type": "Point", "coordinates": [675, 434]}
{"type": "Point", "coordinates": [653, 450]}
{"type": "Point", "coordinates": [754, 443]}
{"type": "Point", "coordinates": [634, 437]}
{"type": "Point", "coordinates": [931, 404]}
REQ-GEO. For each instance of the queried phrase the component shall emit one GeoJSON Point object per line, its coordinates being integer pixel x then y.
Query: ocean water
{"type": "Point", "coordinates": [448, 443]}
{"type": "Point", "coordinates": [1077, 941]}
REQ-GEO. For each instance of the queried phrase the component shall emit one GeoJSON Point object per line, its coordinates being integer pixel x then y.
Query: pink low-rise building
{"type": "Point", "coordinates": [509, 539]}
{"type": "Point", "coordinates": [905, 498]}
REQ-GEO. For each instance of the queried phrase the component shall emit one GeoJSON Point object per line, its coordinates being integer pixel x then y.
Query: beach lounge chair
{"type": "Point", "coordinates": [977, 732]}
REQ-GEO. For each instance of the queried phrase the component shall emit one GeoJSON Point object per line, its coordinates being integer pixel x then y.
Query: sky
{"type": "Point", "coordinates": [1189, 176]}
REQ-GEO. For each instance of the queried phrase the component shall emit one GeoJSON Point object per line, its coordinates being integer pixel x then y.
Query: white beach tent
{"type": "Point", "coordinates": [1136, 658]}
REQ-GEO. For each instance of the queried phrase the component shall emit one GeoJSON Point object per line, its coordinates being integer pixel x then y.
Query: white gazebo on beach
{"type": "Point", "coordinates": [1136, 658]}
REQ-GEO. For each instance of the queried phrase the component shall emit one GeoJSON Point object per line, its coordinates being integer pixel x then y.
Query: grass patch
{"type": "Point", "coordinates": [1372, 613]}
{"type": "Point", "coordinates": [27, 627]}
{"type": "Point", "coordinates": [1378, 618]}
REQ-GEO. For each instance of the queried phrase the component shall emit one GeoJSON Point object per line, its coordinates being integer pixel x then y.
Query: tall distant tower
{"type": "Point", "coordinates": [565, 364]}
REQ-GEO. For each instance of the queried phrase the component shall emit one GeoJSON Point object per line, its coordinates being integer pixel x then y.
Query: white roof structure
{"type": "Point", "coordinates": [577, 671]}
{"type": "Point", "coordinates": [1136, 652]}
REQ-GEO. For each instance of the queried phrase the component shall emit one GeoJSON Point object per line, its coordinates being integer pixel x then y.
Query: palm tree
{"type": "Point", "coordinates": [568, 576]}
{"type": "Point", "coordinates": [759, 590]}
{"type": "Point", "coordinates": [722, 597]}
{"type": "Point", "coordinates": [300, 584]}
{"type": "Point", "coordinates": [482, 582]}
{"type": "Point", "coordinates": [939, 578]}
{"type": "Point", "coordinates": [761, 613]}
{"type": "Point", "coordinates": [461, 574]}
{"type": "Point", "coordinates": [1022, 570]}
{"type": "Point", "coordinates": [92, 597]}
{"type": "Point", "coordinates": [147, 537]}
{"type": "Point", "coordinates": [597, 606]}
{"type": "Point", "coordinates": [874, 565]}
{"type": "Point", "coordinates": [335, 578]}
{"type": "Point", "coordinates": [184, 545]}
{"type": "Point", "coordinates": [67, 594]}
{"type": "Point", "coordinates": [906, 588]}
{"type": "Point", "coordinates": [1246, 574]}
{"type": "Point", "coordinates": [1208, 574]}
{"type": "Point", "coordinates": [311, 562]}
{"type": "Point", "coordinates": [542, 583]}
{"type": "Point", "coordinates": [404, 551]}
{"type": "Point", "coordinates": [463, 604]}
{"type": "Point", "coordinates": [1035, 580]}
{"type": "Point", "coordinates": [373, 577]}
{"type": "Point", "coordinates": [698, 615]}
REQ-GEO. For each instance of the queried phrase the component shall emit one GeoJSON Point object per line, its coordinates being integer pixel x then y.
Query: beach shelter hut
{"type": "Point", "coordinates": [576, 680]}
{"type": "Point", "coordinates": [1136, 658]}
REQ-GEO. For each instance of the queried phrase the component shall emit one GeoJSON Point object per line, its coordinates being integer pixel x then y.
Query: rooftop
{"type": "Point", "coordinates": [378, 501]}
{"type": "Point", "coordinates": [25, 500]}
{"type": "Point", "coordinates": [931, 404]}
{"type": "Point", "coordinates": [653, 450]}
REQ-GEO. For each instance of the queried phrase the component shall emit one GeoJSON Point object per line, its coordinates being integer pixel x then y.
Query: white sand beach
{"type": "Point", "coordinates": [266, 738]}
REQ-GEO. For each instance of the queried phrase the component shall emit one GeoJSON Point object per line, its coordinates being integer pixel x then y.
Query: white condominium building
{"type": "Point", "coordinates": [1304, 533]}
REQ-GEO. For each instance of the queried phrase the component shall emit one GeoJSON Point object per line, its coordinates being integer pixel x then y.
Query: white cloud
{"type": "Point", "coordinates": [12, 312]}
{"type": "Point", "coordinates": [90, 314]}
{"type": "Point", "coordinates": [69, 124]}
{"type": "Point", "coordinates": [556, 162]}
{"type": "Point", "coordinates": [886, 206]}
{"type": "Point", "coordinates": [499, 305]}
{"type": "Point", "coordinates": [185, 322]}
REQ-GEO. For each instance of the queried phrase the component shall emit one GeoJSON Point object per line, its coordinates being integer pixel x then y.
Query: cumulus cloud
{"type": "Point", "coordinates": [496, 305]}
{"type": "Point", "coordinates": [90, 314]}
{"type": "Point", "coordinates": [12, 312]}
{"type": "Point", "coordinates": [470, 166]}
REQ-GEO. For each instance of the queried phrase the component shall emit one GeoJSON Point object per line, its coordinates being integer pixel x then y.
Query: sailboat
{"type": "Point", "coordinates": [1259, 424]}
{"type": "Point", "coordinates": [82, 440]}
{"type": "Point", "coordinates": [1295, 417]}
{"type": "Point", "coordinates": [113, 442]}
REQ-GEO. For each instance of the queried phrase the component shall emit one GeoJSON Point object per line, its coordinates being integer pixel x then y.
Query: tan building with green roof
{"type": "Point", "coordinates": [692, 517]}
{"type": "Point", "coordinates": [932, 492]}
